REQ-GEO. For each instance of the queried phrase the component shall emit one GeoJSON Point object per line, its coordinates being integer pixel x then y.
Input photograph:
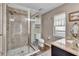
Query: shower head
{"type": "Point", "coordinates": [11, 12]}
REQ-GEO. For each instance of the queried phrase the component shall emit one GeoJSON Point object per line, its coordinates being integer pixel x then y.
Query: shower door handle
{"type": "Point", "coordinates": [0, 34]}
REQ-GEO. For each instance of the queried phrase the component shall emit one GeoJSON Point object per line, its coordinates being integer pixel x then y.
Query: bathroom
{"type": "Point", "coordinates": [25, 31]}
{"type": "Point", "coordinates": [21, 31]}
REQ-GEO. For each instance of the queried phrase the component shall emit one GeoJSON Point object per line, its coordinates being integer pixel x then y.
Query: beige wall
{"type": "Point", "coordinates": [47, 19]}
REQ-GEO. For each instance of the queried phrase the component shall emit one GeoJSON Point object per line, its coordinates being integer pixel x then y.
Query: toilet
{"type": "Point", "coordinates": [41, 42]}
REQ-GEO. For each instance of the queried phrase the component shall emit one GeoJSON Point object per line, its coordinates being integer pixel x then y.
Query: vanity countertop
{"type": "Point", "coordinates": [62, 45]}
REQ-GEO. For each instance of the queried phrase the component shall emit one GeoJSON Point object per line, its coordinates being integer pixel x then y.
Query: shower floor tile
{"type": "Point", "coordinates": [20, 51]}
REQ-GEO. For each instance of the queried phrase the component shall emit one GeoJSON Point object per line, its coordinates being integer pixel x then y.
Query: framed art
{"type": "Point", "coordinates": [74, 16]}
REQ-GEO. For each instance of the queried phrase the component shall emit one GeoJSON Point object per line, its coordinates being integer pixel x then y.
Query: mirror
{"type": "Point", "coordinates": [74, 30]}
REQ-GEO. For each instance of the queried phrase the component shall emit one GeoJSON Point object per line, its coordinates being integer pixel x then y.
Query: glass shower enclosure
{"type": "Point", "coordinates": [23, 28]}
{"type": "Point", "coordinates": [35, 29]}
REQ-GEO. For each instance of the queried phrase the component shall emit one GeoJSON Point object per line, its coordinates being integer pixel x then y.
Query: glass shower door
{"type": "Point", "coordinates": [18, 35]}
{"type": "Point", "coordinates": [35, 30]}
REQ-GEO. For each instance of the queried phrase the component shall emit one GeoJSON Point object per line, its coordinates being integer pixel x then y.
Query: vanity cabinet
{"type": "Point", "coordinates": [55, 51]}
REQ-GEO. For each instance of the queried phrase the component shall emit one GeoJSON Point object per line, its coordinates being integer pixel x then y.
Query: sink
{"type": "Point", "coordinates": [62, 41]}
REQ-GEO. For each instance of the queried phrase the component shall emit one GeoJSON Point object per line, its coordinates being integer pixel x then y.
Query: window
{"type": "Point", "coordinates": [59, 25]}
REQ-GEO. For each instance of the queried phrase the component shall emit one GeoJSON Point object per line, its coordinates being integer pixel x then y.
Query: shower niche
{"type": "Point", "coordinates": [21, 28]}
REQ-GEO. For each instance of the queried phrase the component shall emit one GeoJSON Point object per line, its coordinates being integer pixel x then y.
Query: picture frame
{"type": "Point", "coordinates": [74, 16]}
